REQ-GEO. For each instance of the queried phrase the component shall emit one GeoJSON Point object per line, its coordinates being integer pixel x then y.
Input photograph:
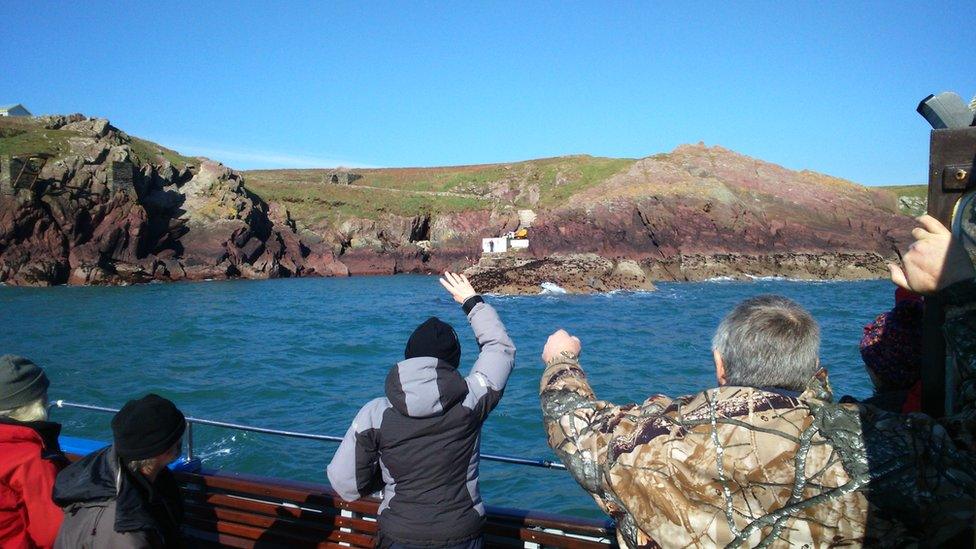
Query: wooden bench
{"type": "Point", "coordinates": [236, 510]}
{"type": "Point", "coordinates": [239, 510]}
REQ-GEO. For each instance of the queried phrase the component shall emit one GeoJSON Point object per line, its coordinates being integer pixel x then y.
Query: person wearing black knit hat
{"type": "Point", "coordinates": [434, 338]}
{"type": "Point", "coordinates": [428, 430]}
{"type": "Point", "coordinates": [146, 428]}
{"type": "Point", "coordinates": [124, 495]}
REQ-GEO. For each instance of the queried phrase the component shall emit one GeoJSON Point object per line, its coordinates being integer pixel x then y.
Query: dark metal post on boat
{"type": "Point", "coordinates": [189, 440]}
{"type": "Point", "coordinates": [952, 159]}
{"type": "Point", "coordinates": [946, 110]}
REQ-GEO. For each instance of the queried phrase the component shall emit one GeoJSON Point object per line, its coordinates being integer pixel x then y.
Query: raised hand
{"type": "Point", "coordinates": [935, 260]}
{"type": "Point", "coordinates": [458, 285]}
{"type": "Point", "coordinates": [560, 342]}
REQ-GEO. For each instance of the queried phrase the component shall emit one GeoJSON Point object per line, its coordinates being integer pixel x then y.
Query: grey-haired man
{"type": "Point", "coordinates": [767, 457]}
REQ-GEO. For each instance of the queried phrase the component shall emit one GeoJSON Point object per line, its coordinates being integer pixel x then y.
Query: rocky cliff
{"type": "Point", "coordinates": [110, 208]}
{"type": "Point", "coordinates": [697, 212]}
{"type": "Point", "coordinates": [81, 202]}
{"type": "Point", "coordinates": [701, 212]}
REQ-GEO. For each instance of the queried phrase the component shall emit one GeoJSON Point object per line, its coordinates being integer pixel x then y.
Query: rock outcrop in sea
{"type": "Point", "coordinates": [572, 273]}
{"type": "Point", "coordinates": [107, 208]}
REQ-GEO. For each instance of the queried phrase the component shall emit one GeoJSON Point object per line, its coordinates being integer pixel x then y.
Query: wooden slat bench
{"type": "Point", "coordinates": [235, 510]}
{"type": "Point", "coordinates": [244, 511]}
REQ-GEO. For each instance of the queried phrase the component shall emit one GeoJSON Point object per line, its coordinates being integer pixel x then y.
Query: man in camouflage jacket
{"type": "Point", "coordinates": [761, 461]}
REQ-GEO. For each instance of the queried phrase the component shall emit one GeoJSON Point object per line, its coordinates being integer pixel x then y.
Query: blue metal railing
{"type": "Point", "coordinates": [191, 421]}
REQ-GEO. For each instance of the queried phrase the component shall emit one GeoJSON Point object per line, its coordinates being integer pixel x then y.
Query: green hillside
{"type": "Point", "coordinates": [34, 135]}
{"type": "Point", "coordinates": [543, 183]}
{"type": "Point", "coordinates": [912, 199]}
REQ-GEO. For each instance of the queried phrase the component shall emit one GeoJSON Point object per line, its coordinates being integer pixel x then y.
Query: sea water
{"type": "Point", "coordinates": [305, 354]}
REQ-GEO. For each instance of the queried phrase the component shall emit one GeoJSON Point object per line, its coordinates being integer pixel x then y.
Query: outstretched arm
{"type": "Point", "coordinates": [579, 427]}
{"type": "Point", "coordinates": [496, 359]}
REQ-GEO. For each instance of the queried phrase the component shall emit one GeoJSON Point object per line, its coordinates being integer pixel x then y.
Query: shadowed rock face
{"type": "Point", "coordinates": [101, 212]}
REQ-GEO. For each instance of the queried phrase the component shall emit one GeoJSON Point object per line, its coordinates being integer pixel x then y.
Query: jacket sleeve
{"type": "Point", "coordinates": [496, 359]}
{"type": "Point", "coordinates": [355, 469]}
{"type": "Point", "coordinates": [579, 427]}
{"type": "Point", "coordinates": [36, 480]}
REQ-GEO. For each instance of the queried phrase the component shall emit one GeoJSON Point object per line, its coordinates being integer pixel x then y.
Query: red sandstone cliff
{"type": "Point", "coordinates": [695, 213]}
{"type": "Point", "coordinates": [108, 208]}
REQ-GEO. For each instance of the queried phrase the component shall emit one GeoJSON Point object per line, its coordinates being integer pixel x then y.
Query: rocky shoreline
{"type": "Point", "coordinates": [572, 273]}
{"type": "Point", "coordinates": [518, 274]}
{"type": "Point", "coordinates": [109, 208]}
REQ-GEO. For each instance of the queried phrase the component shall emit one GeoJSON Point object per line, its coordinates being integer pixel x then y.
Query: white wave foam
{"type": "Point", "coordinates": [720, 279]}
{"type": "Point", "coordinates": [788, 279]}
{"type": "Point", "coordinates": [765, 278]}
{"type": "Point", "coordinates": [551, 288]}
{"type": "Point", "coordinates": [220, 448]}
{"type": "Point", "coordinates": [627, 291]}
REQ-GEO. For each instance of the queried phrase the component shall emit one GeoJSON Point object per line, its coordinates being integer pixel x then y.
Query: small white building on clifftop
{"type": "Point", "coordinates": [494, 245]}
{"type": "Point", "coordinates": [514, 240]}
{"type": "Point", "coordinates": [502, 244]}
{"type": "Point", "coordinates": [14, 110]}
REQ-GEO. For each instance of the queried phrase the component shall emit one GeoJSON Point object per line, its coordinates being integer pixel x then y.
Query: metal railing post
{"type": "Point", "coordinates": [189, 440]}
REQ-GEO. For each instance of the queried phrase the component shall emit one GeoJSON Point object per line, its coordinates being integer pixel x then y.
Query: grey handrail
{"type": "Point", "coordinates": [544, 463]}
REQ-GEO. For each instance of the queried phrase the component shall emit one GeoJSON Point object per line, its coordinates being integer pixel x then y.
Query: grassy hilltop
{"type": "Point", "coordinates": [540, 184]}
{"type": "Point", "coordinates": [544, 183]}
{"type": "Point", "coordinates": [23, 135]}
{"type": "Point", "coordinates": [313, 201]}
{"type": "Point", "coordinates": [912, 199]}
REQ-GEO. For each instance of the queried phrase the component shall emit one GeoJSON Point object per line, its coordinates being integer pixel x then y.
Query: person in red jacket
{"type": "Point", "coordinates": [30, 457]}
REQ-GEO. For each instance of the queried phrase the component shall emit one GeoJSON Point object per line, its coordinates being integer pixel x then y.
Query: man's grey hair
{"type": "Point", "coordinates": [768, 341]}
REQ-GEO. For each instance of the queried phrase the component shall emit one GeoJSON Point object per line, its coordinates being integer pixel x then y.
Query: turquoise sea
{"type": "Point", "coordinates": [305, 354]}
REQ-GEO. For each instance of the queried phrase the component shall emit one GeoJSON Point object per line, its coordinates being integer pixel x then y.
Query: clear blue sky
{"type": "Point", "coordinates": [824, 86]}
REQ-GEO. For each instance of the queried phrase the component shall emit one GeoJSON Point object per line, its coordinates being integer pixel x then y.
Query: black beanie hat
{"type": "Point", "coordinates": [434, 338]}
{"type": "Point", "coordinates": [147, 427]}
{"type": "Point", "coordinates": [21, 382]}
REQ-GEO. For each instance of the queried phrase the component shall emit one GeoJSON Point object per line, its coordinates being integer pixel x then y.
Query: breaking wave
{"type": "Point", "coordinates": [551, 288]}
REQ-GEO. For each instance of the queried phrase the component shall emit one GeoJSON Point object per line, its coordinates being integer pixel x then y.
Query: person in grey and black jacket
{"type": "Point", "coordinates": [421, 443]}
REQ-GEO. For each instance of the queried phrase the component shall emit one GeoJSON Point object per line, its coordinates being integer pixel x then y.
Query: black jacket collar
{"type": "Point", "coordinates": [49, 432]}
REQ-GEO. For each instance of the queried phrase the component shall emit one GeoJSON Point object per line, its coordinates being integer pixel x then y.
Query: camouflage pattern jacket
{"type": "Point", "coordinates": [741, 466]}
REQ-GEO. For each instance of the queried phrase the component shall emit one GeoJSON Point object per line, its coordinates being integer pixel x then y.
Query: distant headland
{"type": "Point", "coordinates": [82, 202]}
